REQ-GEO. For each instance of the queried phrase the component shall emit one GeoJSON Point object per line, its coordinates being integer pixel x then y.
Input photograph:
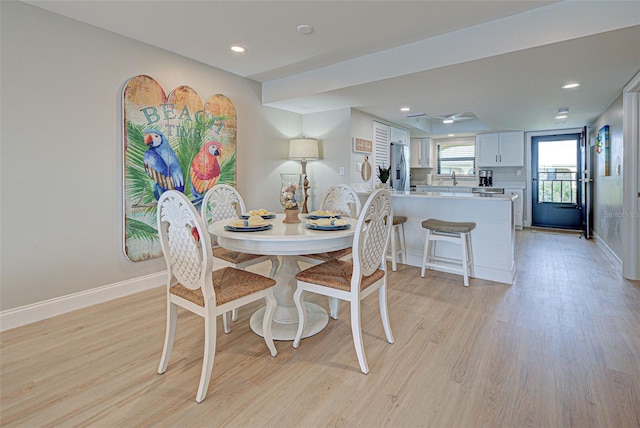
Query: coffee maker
{"type": "Point", "coordinates": [486, 177]}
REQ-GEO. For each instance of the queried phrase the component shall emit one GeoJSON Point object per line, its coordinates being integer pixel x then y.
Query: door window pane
{"type": "Point", "coordinates": [557, 172]}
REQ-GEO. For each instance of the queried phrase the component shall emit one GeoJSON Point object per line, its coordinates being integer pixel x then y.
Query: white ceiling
{"type": "Point", "coordinates": [503, 61]}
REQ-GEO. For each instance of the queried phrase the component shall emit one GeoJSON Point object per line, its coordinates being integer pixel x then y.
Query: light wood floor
{"type": "Point", "coordinates": [559, 348]}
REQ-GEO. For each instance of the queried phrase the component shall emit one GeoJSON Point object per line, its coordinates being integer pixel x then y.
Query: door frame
{"type": "Point", "coordinates": [561, 216]}
{"type": "Point", "coordinates": [528, 191]}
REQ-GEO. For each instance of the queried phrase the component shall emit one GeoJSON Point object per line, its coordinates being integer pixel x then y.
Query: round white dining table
{"type": "Point", "coordinates": [288, 241]}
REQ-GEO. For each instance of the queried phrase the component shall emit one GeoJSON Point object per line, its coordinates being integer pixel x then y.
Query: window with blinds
{"type": "Point", "coordinates": [458, 156]}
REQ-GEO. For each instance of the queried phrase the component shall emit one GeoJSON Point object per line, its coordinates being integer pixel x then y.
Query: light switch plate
{"type": "Point", "coordinates": [341, 170]}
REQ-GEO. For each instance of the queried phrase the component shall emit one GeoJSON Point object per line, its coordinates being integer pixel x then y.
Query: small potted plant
{"type": "Point", "coordinates": [383, 175]}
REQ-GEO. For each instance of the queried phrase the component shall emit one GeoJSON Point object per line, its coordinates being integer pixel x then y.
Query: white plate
{"type": "Point", "coordinates": [233, 228]}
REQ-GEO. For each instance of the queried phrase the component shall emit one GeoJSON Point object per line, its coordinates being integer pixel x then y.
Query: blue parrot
{"type": "Point", "coordinates": [161, 163]}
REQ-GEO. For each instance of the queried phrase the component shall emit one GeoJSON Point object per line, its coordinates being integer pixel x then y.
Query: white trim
{"type": "Point", "coordinates": [27, 314]}
{"type": "Point", "coordinates": [608, 252]}
{"type": "Point", "coordinates": [631, 179]}
{"type": "Point", "coordinates": [527, 140]}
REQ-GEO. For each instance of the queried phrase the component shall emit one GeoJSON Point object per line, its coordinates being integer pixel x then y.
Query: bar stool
{"type": "Point", "coordinates": [456, 232]}
{"type": "Point", "coordinates": [397, 237]}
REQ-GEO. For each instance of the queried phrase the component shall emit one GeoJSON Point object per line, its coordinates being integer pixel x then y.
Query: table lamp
{"type": "Point", "coordinates": [304, 149]}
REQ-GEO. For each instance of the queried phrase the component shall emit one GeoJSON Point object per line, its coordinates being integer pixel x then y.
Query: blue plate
{"type": "Point", "coordinates": [318, 227]}
{"type": "Point", "coordinates": [266, 217]}
{"type": "Point", "coordinates": [233, 228]}
{"type": "Point", "coordinates": [317, 217]}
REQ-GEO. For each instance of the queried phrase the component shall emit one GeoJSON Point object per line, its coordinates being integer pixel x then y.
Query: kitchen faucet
{"type": "Point", "coordinates": [453, 176]}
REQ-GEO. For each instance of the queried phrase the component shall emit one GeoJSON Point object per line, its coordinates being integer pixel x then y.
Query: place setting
{"type": "Point", "coordinates": [330, 223]}
{"type": "Point", "coordinates": [321, 214]}
{"type": "Point", "coordinates": [267, 215]}
{"type": "Point", "coordinates": [255, 221]}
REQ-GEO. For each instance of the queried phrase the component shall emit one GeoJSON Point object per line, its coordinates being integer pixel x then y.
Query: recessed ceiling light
{"type": "Point", "coordinates": [563, 110]}
{"type": "Point", "coordinates": [570, 85]}
{"type": "Point", "coordinates": [305, 29]}
{"type": "Point", "coordinates": [451, 135]}
{"type": "Point", "coordinates": [447, 121]}
{"type": "Point", "coordinates": [238, 49]}
{"type": "Point", "coordinates": [561, 116]}
{"type": "Point", "coordinates": [405, 109]}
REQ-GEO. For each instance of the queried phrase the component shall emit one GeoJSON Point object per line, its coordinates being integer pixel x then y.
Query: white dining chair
{"type": "Point", "coordinates": [224, 202]}
{"type": "Point", "coordinates": [341, 199]}
{"type": "Point", "coordinates": [193, 285]}
{"type": "Point", "coordinates": [355, 279]}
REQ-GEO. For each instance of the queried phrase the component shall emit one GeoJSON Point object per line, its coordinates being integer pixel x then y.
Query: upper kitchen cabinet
{"type": "Point", "coordinates": [421, 153]}
{"type": "Point", "coordinates": [500, 149]}
{"type": "Point", "coordinates": [399, 136]}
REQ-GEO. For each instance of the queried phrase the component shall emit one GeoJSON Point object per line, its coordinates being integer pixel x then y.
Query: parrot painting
{"type": "Point", "coordinates": [205, 169]}
{"type": "Point", "coordinates": [161, 164]}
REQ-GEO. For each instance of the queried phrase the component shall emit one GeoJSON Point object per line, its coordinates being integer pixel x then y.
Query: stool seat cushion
{"type": "Point", "coordinates": [399, 219]}
{"type": "Point", "coordinates": [448, 226]}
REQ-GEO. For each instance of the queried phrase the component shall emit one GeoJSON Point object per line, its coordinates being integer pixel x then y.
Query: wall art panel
{"type": "Point", "coordinates": [170, 142]}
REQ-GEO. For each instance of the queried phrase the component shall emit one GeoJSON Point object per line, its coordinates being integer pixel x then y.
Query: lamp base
{"type": "Point", "coordinates": [291, 216]}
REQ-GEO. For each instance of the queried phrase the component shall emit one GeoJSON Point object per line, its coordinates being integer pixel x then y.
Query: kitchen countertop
{"type": "Point", "coordinates": [450, 195]}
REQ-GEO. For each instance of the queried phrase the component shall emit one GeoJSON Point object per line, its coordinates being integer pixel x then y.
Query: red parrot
{"type": "Point", "coordinates": [205, 169]}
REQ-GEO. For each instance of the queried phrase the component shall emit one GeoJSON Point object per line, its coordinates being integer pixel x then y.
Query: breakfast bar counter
{"type": "Point", "coordinates": [493, 239]}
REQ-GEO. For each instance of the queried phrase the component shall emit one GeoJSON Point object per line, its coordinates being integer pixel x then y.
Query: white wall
{"type": "Point", "coordinates": [61, 149]}
{"type": "Point", "coordinates": [607, 204]}
{"type": "Point", "coordinates": [333, 130]}
{"type": "Point", "coordinates": [361, 127]}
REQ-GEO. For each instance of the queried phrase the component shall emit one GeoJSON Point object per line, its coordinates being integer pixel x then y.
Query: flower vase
{"type": "Point", "coordinates": [291, 216]}
{"type": "Point", "coordinates": [291, 196]}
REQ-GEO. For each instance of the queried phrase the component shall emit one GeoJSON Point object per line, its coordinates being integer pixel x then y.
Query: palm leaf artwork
{"type": "Point", "coordinates": [140, 230]}
{"type": "Point", "coordinates": [193, 135]}
{"type": "Point", "coordinates": [139, 186]}
{"type": "Point", "coordinates": [188, 125]}
{"type": "Point", "coordinates": [140, 209]}
{"type": "Point", "coordinates": [228, 171]}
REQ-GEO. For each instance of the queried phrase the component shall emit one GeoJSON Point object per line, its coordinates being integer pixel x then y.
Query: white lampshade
{"type": "Point", "coordinates": [303, 149]}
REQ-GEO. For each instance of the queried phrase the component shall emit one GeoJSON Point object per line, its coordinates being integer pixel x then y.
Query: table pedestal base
{"type": "Point", "coordinates": [316, 320]}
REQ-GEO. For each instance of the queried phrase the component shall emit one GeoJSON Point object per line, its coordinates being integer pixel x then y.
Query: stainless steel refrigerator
{"type": "Point", "coordinates": [400, 167]}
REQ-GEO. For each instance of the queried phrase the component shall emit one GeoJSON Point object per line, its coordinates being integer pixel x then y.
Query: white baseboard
{"type": "Point", "coordinates": [615, 260]}
{"type": "Point", "coordinates": [60, 305]}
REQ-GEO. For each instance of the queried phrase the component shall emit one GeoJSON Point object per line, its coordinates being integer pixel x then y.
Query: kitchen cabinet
{"type": "Point", "coordinates": [517, 206]}
{"type": "Point", "coordinates": [399, 136]}
{"type": "Point", "coordinates": [421, 153]}
{"type": "Point", "coordinates": [500, 149]}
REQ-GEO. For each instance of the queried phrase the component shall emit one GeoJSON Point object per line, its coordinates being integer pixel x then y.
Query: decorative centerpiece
{"type": "Point", "coordinates": [291, 196]}
{"type": "Point", "coordinates": [383, 175]}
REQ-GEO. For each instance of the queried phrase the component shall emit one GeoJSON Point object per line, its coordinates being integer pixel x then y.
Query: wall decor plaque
{"type": "Point", "coordinates": [362, 146]}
